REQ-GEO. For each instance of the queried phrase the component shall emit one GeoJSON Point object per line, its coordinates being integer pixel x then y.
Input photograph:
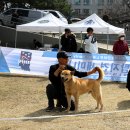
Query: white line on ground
{"type": "Point", "coordinates": [60, 116]}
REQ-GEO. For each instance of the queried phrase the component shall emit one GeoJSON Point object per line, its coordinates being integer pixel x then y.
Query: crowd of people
{"type": "Point", "coordinates": [69, 44]}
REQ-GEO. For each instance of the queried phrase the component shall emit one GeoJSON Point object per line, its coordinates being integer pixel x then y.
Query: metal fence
{"type": "Point", "coordinates": [25, 39]}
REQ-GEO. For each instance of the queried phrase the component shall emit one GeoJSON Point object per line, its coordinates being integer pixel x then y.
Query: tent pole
{"type": "Point", "coordinates": [59, 40]}
{"type": "Point", "coordinates": [81, 40]}
{"type": "Point", "coordinates": [60, 32]}
{"type": "Point", "coordinates": [107, 39]}
{"type": "Point", "coordinates": [107, 42]}
{"type": "Point", "coordinates": [42, 38]}
{"type": "Point", "coordinates": [15, 38]}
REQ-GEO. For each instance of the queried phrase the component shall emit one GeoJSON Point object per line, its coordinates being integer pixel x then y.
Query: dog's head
{"type": "Point", "coordinates": [66, 75]}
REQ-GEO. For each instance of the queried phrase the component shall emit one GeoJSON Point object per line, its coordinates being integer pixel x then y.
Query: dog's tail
{"type": "Point", "coordinates": [101, 73]}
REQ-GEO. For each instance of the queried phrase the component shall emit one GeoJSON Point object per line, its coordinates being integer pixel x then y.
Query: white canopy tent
{"type": "Point", "coordinates": [50, 23]}
{"type": "Point", "coordinates": [46, 24]}
{"type": "Point", "coordinates": [99, 26]}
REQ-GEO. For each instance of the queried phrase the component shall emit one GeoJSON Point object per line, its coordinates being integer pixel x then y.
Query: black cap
{"type": "Point", "coordinates": [62, 54]}
{"type": "Point", "coordinates": [67, 30]}
{"type": "Point", "coordinates": [89, 29]}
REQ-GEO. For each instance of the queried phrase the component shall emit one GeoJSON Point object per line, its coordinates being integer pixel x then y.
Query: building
{"type": "Point", "coordinates": [83, 8]}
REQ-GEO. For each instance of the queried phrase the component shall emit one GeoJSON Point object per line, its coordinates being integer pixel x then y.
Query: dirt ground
{"type": "Point", "coordinates": [26, 97]}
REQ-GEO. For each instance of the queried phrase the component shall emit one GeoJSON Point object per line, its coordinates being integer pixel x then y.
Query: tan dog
{"type": "Point", "coordinates": [77, 86]}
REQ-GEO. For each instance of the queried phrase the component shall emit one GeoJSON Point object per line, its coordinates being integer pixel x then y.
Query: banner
{"type": "Point", "coordinates": [34, 62]}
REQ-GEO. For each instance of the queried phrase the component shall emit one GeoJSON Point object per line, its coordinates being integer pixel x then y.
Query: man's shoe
{"type": "Point", "coordinates": [49, 109]}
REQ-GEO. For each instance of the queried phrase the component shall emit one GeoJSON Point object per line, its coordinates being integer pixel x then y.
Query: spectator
{"type": "Point", "coordinates": [37, 44]}
{"type": "Point", "coordinates": [120, 47]}
{"type": "Point", "coordinates": [55, 90]}
{"type": "Point", "coordinates": [128, 81]}
{"type": "Point", "coordinates": [90, 42]}
{"type": "Point", "coordinates": [68, 41]}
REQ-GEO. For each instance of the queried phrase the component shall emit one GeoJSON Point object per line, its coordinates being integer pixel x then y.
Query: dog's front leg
{"type": "Point", "coordinates": [68, 101]}
{"type": "Point", "coordinates": [76, 96]}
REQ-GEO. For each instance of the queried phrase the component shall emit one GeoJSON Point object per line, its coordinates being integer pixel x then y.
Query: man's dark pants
{"type": "Point", "coordinates": [53, 93]}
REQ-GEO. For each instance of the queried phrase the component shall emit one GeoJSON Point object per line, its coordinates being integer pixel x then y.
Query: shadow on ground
{"type": "Point", "coordinates": [49, 116]}
{"type": "Point", "coordinates": [124, 105]}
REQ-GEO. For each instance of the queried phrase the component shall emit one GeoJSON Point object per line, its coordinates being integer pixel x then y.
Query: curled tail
{"type": "Point", "coordinates": [101, 73]}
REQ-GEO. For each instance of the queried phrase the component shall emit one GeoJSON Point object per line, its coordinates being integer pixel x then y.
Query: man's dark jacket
{"type": "Point", "coordinates": [68, 44]}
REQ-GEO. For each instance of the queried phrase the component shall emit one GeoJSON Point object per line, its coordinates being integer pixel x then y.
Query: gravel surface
{"type": "Point", "coordinates": [26, 97]}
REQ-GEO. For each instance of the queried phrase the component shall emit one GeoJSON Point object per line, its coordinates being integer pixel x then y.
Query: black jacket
{"type": "Point", "coordinates": [56, 81]}
{"type": "Point", "coordinates": [68, 44]}
{"type": "Point", "coordinates": [128, 81]}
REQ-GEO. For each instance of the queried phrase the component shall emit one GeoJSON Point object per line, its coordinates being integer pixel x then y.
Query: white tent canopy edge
{"type": "Point", "coordinates": [99, 26]}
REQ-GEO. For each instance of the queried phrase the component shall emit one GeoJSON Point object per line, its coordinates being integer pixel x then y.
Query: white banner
{"type": "Point", "coordinates": [33, 62]}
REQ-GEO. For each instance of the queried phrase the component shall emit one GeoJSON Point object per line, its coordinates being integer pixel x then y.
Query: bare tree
{"type": "Point", "coordinates": [118, 12]}
{"type": "Point", "coordinates": [127, 2]}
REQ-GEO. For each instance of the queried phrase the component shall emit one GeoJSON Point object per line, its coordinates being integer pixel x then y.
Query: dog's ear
{"type": "Point", "coordinates": [72, 72]}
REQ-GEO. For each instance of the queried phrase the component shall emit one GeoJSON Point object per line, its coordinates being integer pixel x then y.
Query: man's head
{"type": "Point", "coordinates": [62, 58]}
{"type": "Point", "coordinates": [90, 31]}
{"type": "Point", "coordinates": [121, 37]}
{"type": "Point", "coordinates": [67, 31]}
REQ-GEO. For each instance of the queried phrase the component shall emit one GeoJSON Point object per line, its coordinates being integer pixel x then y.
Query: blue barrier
{"type": "Point", "coordinates": [32, 62]}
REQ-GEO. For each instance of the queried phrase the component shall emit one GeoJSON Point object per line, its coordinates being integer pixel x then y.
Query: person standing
{"type": "Point", "coordinates": [120, 47]}
{"type": "Point", "coordinates": [128, 81]}
{"type": "Point", "coordinates": [37, 44]}
{"type": "Point", "coordinates": [90, 42]}
{"type": "Point", "coordinates": [68, 41]}
{"type": "Point", "coordinates": [55, 90]}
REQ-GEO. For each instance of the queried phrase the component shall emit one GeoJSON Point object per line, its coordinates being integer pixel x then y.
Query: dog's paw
{"type": "Point", "coordinates": [67, 110]}
{"type": "Point", "coordinates": [101, 110]}
{"type": "Point", "coordinates": [96, 108]}
{"type": "Point", "coordinates": [76, 111]}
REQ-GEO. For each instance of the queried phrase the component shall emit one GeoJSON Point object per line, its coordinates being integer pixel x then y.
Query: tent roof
{"type": "Point", "coordinates": [51, 24]}
{"type": "Point", "coordinates": [48, 23]}
{"type": "Point", "coordinates": [99, 26]}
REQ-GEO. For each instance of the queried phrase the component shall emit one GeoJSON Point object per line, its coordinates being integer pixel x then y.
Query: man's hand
{"type": "Point", "coordinates": [95, 69]}
{"type": "Point", "coordinates": [92, 71]}
{"type": "Point", "coordinates": [61, 67]}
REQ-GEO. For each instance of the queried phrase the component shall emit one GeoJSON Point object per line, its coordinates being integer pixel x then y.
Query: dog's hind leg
{"type": "Point", "coordinates": [95, 96]}
{"type": "Point", "coordinates": [99, 99]}
{"type": "Point", "coordinates": [101, 103]}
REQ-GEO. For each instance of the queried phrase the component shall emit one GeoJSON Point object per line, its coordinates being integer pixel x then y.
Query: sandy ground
{"type": "Point", "coordinates": [26, 97]}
